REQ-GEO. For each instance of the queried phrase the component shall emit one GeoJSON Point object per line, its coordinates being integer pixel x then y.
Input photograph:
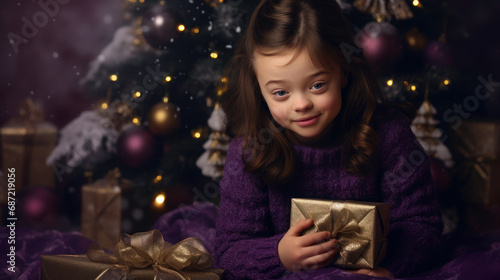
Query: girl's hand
{"type": "Point", "coordinates": [377, 271]}
{"type": "Point", "coordinates": [298, 252]}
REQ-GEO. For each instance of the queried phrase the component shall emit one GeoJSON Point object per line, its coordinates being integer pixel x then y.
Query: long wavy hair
{"type": "Point", "coordinates": [320, 28]}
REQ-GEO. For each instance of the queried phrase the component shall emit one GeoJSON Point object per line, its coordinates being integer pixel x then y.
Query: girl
{"type": "Point", "coordinates": [308, 124]}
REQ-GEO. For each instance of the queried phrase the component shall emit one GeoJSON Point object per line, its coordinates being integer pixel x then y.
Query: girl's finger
{"type": "Point", "coordinates": [319, 249]}
{"type": "Point", "coordinates": [300, 226]}
{"type": "Point", "coordinates": [313, 238]}
{"type": "Point", "coordinates": [319, 261]}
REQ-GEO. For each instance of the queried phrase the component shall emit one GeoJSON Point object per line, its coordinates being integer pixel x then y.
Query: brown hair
{"type": "Point", "coordinates": [320, 28]}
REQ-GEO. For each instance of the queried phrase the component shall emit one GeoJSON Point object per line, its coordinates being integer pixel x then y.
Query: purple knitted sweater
{"type": "Point", "coordinates": [253, 217]}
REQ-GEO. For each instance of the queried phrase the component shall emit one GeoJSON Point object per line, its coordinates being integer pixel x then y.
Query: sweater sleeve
{"type": "Point", "coordinates": [415, 223]}
{"type": "Point", "coordinates": [245, 247]}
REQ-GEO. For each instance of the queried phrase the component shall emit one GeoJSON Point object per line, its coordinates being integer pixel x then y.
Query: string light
{"type": "Point", "coordinates": [113, 78]}
{"type": "Point", "coordinates": [446, 82]}
{"type": "Point", "coordinates": [195, 30]}
{"type": "Point", "coordinates": [390, 82]}
{"type": "Point", "coordinates": [160, 200]}
{"type": "Point", "coordinates": [137, 94]}
{"type": "Point", "coordinates": [157, 179]}
{"type": "Point", "coordinates": [224, 80]}
{"type": "Point", "coordinates": [413, 88]}
{"type": "Point", "coordinates": [181, 27]}
{"type": "Point", "coordinates": [168, 79]}
{"type": "Point", "coordinates": [214, 55]}
{"type": "Point", "coordinates": [196, 133]}
{"type": "Point", "coordinates": [104, 106]}
{"type": "Point", "coordinates": [136, 121]}
{"type": "Point", "coordinates": [165, 99]}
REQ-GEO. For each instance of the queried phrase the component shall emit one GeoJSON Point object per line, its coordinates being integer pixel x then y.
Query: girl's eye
{"type": "Point", "coordinates": [280, 93]}
{"type": "Point", "coordinates": [317, 86]}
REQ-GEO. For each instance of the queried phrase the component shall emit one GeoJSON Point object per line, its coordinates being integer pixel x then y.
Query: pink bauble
{"type": "Point", "coordinates": [380, 43]}
{"type": "Point", "coordinates": [438, 54]}
{"type": "Point", "coordinates": [138, 147]}
{"type": "Point", "coordinates": [39, 207]}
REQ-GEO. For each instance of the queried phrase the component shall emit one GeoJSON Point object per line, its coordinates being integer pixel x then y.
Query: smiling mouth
{"type": "Point", "coordinates": [307, 121]}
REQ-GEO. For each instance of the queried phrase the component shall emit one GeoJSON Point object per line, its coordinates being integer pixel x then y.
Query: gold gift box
{"type": "Point", "coordinates": [360, 227]}
{"type": "Point", "coordinates": [101, 210]}
{"type": "Point", "coordinates": [476, 145]}
{"type": "Point", "coordinates": [26, 143]}
{"type": "Point", "coordinates": [141, 256]}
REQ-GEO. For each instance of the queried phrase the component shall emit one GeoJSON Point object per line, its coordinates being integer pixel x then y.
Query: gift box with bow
{"type": "Point", "coordinates": [26, 141]}
{"type": "Point", "coordinates": [141, 256]}
{"type": "Point", "coordinates": [360, 227]}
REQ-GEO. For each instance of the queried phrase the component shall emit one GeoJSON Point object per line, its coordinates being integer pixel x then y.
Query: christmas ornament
{"type": "Point", "coordinates": [437, 53]}
{"type": "Point", "coordinates": [424, 128]}
{"type": "Point", "coordinates": [161, 26]}
{"type": "Point", "coordinates": [416, 40]}
{"type": "Point", "coordinates": [383, 10]}
{"type": "Point", "coordinates": [39, 207]}
{"type": "Point", "coordinates": [212, 161]}
{"type": "Point", "coordinates": [381, 44]}
{"type": "Point", "coordinates": [164, 119]}
{"type": "Point", "coordinates": [138, 147]}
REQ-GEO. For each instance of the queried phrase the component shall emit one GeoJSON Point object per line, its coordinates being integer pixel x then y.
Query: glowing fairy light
{"type": "Point", "coordinates": [413, 88]}
{"type": "Point", "coordinates": [158, 179]}
{"type": "Point", "coordinates": [214, 55]}
{"type": "Point", "coordinates": [181, 27]}
{"type": "Point", "coordinates": [104, 106]}
{"type": "Point", "coordinates": [160, 199]}
{"type": "Point", "coordinates": [136, 121]}
{"type": "Point", "coordinates": [390, 82]}
{"type": "Point", "coordinates": [446, 82]}
{"type": "Point", "coordinates": [113, 78]}
{"type": "Point", "coordinates": [168, 79]}
{"type": "Point", "coordinates": [137, 94]}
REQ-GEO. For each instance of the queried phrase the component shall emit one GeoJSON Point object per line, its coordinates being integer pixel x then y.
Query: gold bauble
{"type": "Point", "coordinates": [164, 119]}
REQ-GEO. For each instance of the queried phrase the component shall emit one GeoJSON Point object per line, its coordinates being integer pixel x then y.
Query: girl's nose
{"type": "Point", "coordinates": [302, 103]}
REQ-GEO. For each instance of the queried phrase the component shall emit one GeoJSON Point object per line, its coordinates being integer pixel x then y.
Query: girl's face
{"type": "Point", "coordinates": [302, 97]}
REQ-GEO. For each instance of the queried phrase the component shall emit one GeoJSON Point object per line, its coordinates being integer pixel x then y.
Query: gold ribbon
{"type": "Point", "coordinates": [148, 249]}
{"type": "Point", "coordinates": [346, 230]}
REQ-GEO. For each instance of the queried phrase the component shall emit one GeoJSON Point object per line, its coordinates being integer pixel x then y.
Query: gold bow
{"type": "Point", "coordinates": [360, 227]}
{"type": "Point", "coordinates": [145, 249]}
{"type": "Point", "coordinates": [346, 230]}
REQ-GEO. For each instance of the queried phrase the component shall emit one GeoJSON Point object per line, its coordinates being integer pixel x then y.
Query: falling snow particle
{"type": "Point", "coordinates": [32, 92]}
{"type": "Point", "coordinates": [108, 19]}
{"type": "Point", "coordinates": [55, 54]}
{"type": "Point", "coordinates": [238, 29]}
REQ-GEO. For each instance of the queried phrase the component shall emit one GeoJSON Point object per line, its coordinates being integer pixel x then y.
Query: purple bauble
{"type": "Point", "coordinates": [438, 54]}
{"type": "Point", "coordinates": [160, 26]}
{"type": "Point", "coordinates": [380, 43]}
{"type": "Point", "coordinates": [138, 147]}
{"type": "Point", "coordinates": [39, 207]}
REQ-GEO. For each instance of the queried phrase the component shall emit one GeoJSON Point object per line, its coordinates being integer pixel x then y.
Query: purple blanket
{"type": "Point", "coordinates": [478, 257]}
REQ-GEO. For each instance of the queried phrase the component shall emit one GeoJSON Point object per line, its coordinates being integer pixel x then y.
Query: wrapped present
{"type": "Point", "coordinates": [142, 256]}
{"type": "Point", "coordinates": [101, 209]}
{"type": "Point", "coordinates": [360, 227]}
{"type": "Point", "coordinates": [26, 143]}
{"type": "Point", "coordinates": [477, 148]}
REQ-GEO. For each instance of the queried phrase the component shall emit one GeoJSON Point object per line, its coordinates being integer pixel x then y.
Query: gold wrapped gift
{"type": "Point", "coordinates": [26, 143]}
{"type": "Point", "coordinates": [476, 146]}
{"type": "Point", "coordinates": [360, 227]}
{"type": "Point", "coordinates": [101, 209]}
{"type": "Point", "coordinates": [142, 256]}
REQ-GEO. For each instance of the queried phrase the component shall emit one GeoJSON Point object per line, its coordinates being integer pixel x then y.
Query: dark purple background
{"type": "Point", "coordinates": [77, 33]}
{"type": "Point", "coordinates": [82, 28]}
